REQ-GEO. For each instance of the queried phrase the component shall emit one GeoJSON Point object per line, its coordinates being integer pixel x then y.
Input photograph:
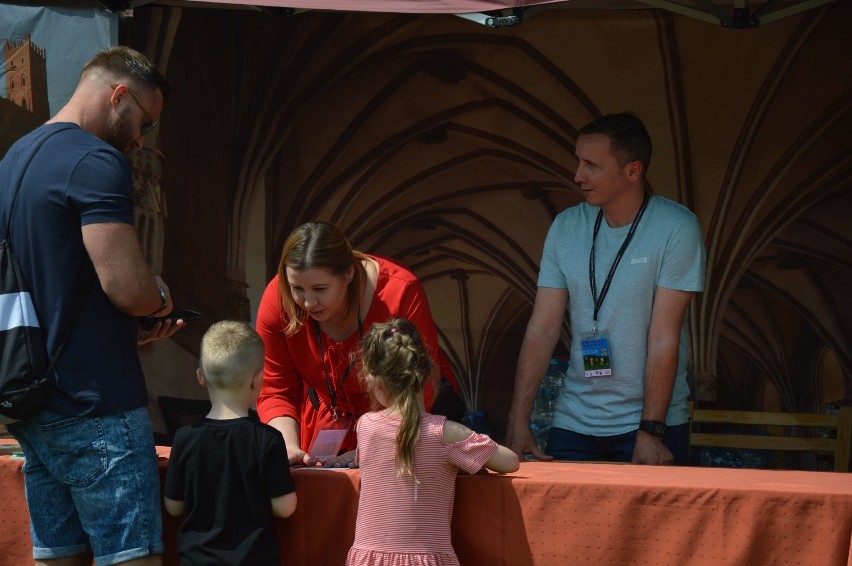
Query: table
{"type": "Point", "coordinates": [555, 513]}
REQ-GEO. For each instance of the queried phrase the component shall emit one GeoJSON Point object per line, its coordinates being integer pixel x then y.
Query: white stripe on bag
{"type": "Point", "coordinates": [16, 310]}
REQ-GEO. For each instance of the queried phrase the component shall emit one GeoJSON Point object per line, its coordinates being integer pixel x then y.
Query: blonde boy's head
{"type": "Point", "coordinates": [231, 354]}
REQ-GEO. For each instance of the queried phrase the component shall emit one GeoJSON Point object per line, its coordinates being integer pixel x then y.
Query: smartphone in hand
{"type": "Point", "coordinates": [149, 321]}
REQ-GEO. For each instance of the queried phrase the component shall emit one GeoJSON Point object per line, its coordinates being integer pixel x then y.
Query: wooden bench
{"type": "Point", "coordinates": [781, 436]}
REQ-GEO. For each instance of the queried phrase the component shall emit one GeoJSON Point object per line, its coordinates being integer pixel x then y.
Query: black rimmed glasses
{"type": "Point", "coordinates": [149, 123]}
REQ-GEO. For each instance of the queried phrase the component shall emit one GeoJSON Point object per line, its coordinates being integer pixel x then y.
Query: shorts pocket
{"type": "Point", "coordinates": [78, 449]}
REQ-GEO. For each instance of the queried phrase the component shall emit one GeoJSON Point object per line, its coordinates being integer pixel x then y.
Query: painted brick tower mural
{"type": "Point", "coordinates": [26, 76]}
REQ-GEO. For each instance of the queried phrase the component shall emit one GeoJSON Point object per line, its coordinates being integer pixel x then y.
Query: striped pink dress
{"type": "Point", "coordinates": [400, 524]}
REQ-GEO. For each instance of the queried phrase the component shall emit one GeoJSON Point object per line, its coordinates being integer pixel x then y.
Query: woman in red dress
{"type": "Point", "coordinates": [312, 317]}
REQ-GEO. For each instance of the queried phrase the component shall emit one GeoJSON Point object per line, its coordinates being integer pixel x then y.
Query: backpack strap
{"type": "Point", "coordinates": [20, 178]}
{"type": "Point", "coordinates": [88, 287]}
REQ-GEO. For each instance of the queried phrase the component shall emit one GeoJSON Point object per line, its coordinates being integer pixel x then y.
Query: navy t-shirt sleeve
{"type": "Point", "coordinates": [279, 481]}
{"type": "Point", "coordinates": [101, 189]}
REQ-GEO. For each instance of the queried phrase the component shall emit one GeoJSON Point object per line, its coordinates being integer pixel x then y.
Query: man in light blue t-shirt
{"type": "Point", "coordinates": [628, 262]}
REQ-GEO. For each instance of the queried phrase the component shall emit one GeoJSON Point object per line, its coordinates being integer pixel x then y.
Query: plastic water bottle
{"type": "Point", "coordinates": [545, 401]}
{"type": "Point", "coordinates": [477, 422]}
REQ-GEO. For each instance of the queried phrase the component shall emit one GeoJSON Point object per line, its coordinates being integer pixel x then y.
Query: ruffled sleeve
{"type": "Point", "coordinates": [471, 453]}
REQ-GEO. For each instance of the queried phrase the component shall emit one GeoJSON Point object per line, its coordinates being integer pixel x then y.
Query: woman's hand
{"type": "Point", "coordinates": [289, 430]}
{"type": "Point", "coordinates": [345, 460]}
{"type": "Point", "coordinates": [298, 457]}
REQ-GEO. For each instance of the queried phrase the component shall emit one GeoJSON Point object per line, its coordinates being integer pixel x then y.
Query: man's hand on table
{"type": "Point", "coordinates": [520, 440]}
{"type": "Point", "coordinates": [650, 450]}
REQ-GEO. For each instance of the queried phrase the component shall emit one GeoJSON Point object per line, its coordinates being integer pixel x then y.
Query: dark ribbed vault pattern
{"type": "Point", "coordinates": [450, 147]}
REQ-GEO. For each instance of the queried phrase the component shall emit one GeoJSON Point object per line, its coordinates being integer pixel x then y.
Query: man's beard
{"type": "Point", "coordinates": [120, 134]}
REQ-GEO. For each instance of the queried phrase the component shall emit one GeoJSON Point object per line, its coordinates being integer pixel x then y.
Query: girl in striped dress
{"type": "Point", "coordinates": [409, 458]}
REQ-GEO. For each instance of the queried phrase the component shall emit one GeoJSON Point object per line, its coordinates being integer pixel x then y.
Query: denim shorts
{"type": "Point", "coordinates": [92, 483]}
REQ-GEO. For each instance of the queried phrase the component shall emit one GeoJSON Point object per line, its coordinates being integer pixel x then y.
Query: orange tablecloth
{"type": "Point", "coordinates": [567, 513]}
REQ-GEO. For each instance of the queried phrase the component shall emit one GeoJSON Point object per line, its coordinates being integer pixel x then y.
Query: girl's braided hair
{"type": "Point", "coordinates": [393, 353]}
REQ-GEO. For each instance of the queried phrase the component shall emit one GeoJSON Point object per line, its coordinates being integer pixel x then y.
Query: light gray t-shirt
{"type": "Point", "coordinates": [667, 251]}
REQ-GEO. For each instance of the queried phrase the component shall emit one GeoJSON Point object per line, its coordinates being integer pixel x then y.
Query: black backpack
{"type": "Point", "coordinates": [24, 364]}
{"type": "Point", "coordinates": [23, 357]}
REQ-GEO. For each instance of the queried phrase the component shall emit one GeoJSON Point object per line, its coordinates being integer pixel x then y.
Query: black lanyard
{"type": "Point", "coordinates": [600, 299]}
{"type": "Point", "coordinates": [332, 391]}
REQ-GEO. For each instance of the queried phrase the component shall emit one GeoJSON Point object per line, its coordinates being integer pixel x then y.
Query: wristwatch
{"type": "Point", "coordinates": [654, 428]}
{"type": "Point", "coordinates": [164, 297]}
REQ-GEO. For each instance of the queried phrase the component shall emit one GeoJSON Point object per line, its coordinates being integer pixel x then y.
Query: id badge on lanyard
{"type": "Point", "coordinates": [328, 440]}
{"type": "Point", "coordinates": [597, 355]}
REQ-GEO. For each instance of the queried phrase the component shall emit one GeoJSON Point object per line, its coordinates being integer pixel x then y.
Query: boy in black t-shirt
{"type": "Point", "coordinates": [228, 472]}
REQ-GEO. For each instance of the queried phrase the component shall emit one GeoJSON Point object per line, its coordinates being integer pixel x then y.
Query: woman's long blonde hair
{"type": "Point", "coordinates": [318, 245]}
{"type": "Point", "coordinates": [393, 353]}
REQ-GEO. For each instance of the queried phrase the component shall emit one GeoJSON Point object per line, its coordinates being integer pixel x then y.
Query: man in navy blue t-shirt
{"type": "Point", "coordinates": [91, 467]}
